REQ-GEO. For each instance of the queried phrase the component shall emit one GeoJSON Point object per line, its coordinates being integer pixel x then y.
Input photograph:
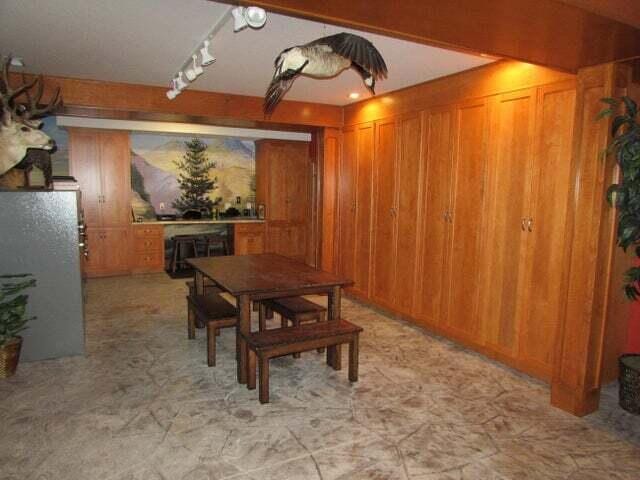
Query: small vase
{"type": "Point", "coordinates": [9, 356]}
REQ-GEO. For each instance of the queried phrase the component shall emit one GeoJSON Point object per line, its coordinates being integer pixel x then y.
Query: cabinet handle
{"type": "Point", "coordinates": [445, 216]}
{"type": "Point", "coordinates": [530, 224]}
{"type": "Point", "coordinates": [522, 224]}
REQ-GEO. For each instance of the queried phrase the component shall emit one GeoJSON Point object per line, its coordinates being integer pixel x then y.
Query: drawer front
{"type": "Point", "coordinates": [255, 228]}
{"type": "Point", "coordinates": [148, 262]}
{"type": "Point", "coordinates": [156, 231]}
{"type": "Point", "coordinates": [148, 244]}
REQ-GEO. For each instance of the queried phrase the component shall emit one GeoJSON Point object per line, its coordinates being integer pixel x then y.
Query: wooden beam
{"type": "Point", "coordinates": [139, 102]}
{"type": "Point", "coordinates": [544, 32]}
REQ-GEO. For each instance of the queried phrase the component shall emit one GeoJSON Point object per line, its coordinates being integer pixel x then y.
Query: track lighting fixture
{"type": "Point", "coordinates": [254, 17]}
{"type": "Point", "coordinates": [207, 58]}
{"type": "Point", "coordinates": [180, 83]}
{"type": "Point", "coordinates": [195, 69]}
{"type": "Point", "coordinates": [173, 92]}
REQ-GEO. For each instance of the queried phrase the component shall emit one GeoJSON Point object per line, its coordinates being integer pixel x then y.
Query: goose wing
{"type": "Point", "coordinates": [280, 84]}
{"type": "Point", "coordinates": [357, 49]}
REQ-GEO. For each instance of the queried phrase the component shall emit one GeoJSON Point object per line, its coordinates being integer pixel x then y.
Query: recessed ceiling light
{"type": "Point", "coordinates": [354, 95]}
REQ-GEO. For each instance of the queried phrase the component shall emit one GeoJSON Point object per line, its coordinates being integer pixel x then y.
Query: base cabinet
{"type": "Point", "coordinates": [248, 238]}
{"type": "Point", "coordinates": [147, 249]}
{"type": "Point", "coordinates": [109, 252]}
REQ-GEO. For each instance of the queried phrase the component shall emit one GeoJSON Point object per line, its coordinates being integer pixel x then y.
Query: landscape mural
{"type": "Point", "coordinates": [154, 172]}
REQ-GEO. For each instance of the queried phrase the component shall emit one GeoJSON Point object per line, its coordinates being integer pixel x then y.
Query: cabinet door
{"type": "Point", "coordinates": [510, 158]}
{"type": "Point", "coordinates": [347, 204]}
{"type": "Point", "coordinates": [547, 240]}
{"type": "Point", "coordinates": [297, 182]}
{"type": "Point", "coordinates": [467, 214]}
{"type": "Point", "coordinates": [115, 165]}
{"type": "Point", "coordinates": [297, 241]}
{"type": "Point", "coordinates": [249, 244]}
{"type": "Point", "coordinates": [408, 210]}
{"type": "Point", "coordinates": [364, 188]}
{"type": "Point", "coordinates": [93, 262]}
{"type": "Point", "coordinates": [384, 207]}
{"type": "Point", "coordinates": [116, 251]}
{"type": "Point", "coordinates": [277, 165]}
{"type": "Point", "coordinates": [84, 165]}
{"type": "Point", "coordinates": [437, 142]}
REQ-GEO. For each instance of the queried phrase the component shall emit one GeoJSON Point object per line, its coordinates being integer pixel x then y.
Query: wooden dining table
{"type": "Point", "coordinates": [257, 277]}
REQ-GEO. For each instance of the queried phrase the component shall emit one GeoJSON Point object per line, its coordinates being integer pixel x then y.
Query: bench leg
{"type": "Point", "coordinates": [284, 323]}
{"type": "Point", "coordinates": [264, 380]}
{"type": "Point", "coordinates": [353, 359]}
{"type": "Point", "coordinates": [251, 370]}
{"type": "Point", "coordinates": [334, 357]}
{"type": "Point", "coordinates": [269, 314]}
{"type": "Point", "coordinates": [262, 317]}
{"type": "Point", "coordinates": [322, 318]}
{"type": "Point", "coordinates": [191, 323]}
{"type": "Point", "coordinates": [211, 344]}
{"type": "Point", "coordinates": [296, 323]}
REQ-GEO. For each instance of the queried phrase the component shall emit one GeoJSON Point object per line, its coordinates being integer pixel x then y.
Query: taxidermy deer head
{"type": "Point", "coordinates": [19, 124]}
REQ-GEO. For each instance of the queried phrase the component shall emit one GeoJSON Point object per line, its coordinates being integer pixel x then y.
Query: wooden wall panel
{"type": "Point", "coordinates": [363, 214]}
{"type": "Point", "coordinates": [554, 131]}
{"type": "Point", "coordinates": [434, 229]}
{"type": "Point", "coordinates": [329, 182]}
{"type": "Point", "coordinates": [408, 211]}
{"type": "Point", "coordinates": [384, 205]}
{"type": "Point", "coordinates": [539, 31]}
{"type": "Point", "coordinates": [190, 106]}
{"type": "Point", "coordinates": [511, 166]}
{"type": "Point", "coordinates": [467, 211]}
{"type": "Point", "coordinates": [347, 203]}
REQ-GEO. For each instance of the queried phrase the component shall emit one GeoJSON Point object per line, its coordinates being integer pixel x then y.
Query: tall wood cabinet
{"type": "Point", "coordinates": [283, 173]}
{"type": "Point", "coordinates": [466, 209]}
{"type": "Point", "coordinates": [100, 162]}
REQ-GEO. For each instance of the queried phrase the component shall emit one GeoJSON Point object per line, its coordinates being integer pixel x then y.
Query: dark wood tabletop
{"type": "Point", "coordinates": [264, 274]}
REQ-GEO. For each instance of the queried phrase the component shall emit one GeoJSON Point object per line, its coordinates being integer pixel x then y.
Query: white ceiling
{"type": "Point", "coordinates": [146, 41]}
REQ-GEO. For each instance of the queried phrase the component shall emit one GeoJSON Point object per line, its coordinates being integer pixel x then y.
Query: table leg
{"type": "Point", "coordinates": [243, 327]}
{"type": "Point", "coordinates": [334, 354]}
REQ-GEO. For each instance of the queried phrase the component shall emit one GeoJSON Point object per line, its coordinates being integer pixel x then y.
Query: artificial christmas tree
{"type": "Point", "coordinates": [194, 179]}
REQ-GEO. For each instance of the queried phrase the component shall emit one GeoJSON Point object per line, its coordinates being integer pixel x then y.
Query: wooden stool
{"type": "Point", "coordinates": [216, 313]}
{"type": "Point", "coordinates": [294, 310]}
{"type": "Point", "coordinates": [213, 241]}
{"type": "Point", "coordinates": [179, 243]}
{"type": "Point", "coordinates": [268, 344]}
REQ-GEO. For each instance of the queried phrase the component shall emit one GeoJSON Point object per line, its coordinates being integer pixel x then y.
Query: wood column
{"type": "Point", "coordinates": [590, 248]}
{"type": "Point", "coordinates": [329, 187]}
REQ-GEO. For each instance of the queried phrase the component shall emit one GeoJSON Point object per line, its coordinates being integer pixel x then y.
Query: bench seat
{"type": "Point", "coordinates": [269, 344]}
{"type": "Point", "coordinates": [213, 311]}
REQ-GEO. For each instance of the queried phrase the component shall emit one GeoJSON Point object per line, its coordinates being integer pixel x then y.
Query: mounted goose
{"type": "Point", "coordinates": [325, 58]}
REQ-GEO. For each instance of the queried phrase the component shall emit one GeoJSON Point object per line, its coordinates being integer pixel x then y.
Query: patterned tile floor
{"type": "Point", "coordinates": [143, 405]}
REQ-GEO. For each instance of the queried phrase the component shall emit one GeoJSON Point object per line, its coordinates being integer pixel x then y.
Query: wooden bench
{"type": "Point", "coordinates": [269, 344]}
{"type": "Point", "coordinates": [294, 310]}
{"type": "Point", "coordinates": [213, 311]}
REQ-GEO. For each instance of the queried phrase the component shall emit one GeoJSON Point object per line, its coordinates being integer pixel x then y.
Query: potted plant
{"type": "Point", "coordinates": [625, 196]}
{"type": "Point", "coordinates": [13, 319]}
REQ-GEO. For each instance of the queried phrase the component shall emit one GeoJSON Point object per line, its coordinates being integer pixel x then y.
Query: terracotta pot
{"type": "Point", "coordinates": [9, 356]}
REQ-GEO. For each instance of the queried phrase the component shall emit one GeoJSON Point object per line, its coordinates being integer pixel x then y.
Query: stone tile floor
{"type": "Point", "coordinates": [143, 405]}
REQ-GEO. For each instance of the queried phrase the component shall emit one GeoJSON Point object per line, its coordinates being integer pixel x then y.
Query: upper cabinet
{"type": "Point", "coordinates": [101, 163]}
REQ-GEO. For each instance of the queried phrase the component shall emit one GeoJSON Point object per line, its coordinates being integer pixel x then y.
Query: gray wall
{"type": "Point", "coordinates": [39, 235]}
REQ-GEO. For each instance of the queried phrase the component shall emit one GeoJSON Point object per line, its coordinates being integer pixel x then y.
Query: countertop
{"type": "Point", "coordinates": [201, 222]}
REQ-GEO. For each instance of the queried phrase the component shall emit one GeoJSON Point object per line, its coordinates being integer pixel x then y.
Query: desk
{"type": "Point", "coordinates": [257, 277]}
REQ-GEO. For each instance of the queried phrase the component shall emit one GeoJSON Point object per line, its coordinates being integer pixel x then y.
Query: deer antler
{"type": "Point", "coordinates": [20, 111]}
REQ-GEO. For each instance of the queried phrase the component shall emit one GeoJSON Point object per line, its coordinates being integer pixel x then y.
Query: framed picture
{"type": "Point", "coordinates": [261, 211]}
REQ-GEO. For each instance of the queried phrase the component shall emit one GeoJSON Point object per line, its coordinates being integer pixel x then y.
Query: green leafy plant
{"type": "Point", "coordinates": [625, 195]}
{"type": "Point", "coordinates": [13, 306]}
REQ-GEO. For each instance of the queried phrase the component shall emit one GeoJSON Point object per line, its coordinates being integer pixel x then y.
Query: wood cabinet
{"type": "Point", "coordinates": [248, 238]}
{"type": "Point", "coordinates": [284, 176]}
{"type": "Point", "coordinates": [100, 161]}
{"type": "Point", "coordinates": [467, 219]}
{"type": "Point", "coordinates": [147, 249]}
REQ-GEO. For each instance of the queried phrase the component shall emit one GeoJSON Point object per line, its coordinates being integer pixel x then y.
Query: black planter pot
{"type": "Point", "coordinates": [630, 382]}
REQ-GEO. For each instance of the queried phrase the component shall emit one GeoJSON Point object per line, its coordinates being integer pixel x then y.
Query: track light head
{"type": "Point", "coordinates": [207, 58]}
{"type": "Point", "coordinates": [254, 17]}
{"type": "Point", "coordinates": [180, 83]}
{"type": "Point", "coordinates": [195, 70]}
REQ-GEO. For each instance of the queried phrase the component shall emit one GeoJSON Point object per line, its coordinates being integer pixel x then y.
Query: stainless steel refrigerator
{"type": "Point", "coordinates": [41, 234]}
